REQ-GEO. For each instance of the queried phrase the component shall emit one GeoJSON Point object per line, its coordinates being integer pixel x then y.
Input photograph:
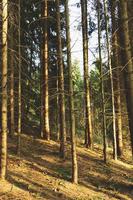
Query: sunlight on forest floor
{"type": "Point", "coordinates": [41, 174]}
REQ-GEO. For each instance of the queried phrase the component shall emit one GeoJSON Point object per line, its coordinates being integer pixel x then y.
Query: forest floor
{"type": "Point", "coordinates": [41, 174]}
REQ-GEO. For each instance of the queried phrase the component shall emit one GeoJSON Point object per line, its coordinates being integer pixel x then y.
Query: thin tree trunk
{"type": "Point", "coordinates": [19, 81]}
{"type": "Point", "coordinates": [12, 128]}
{"type": "Point", "coordinates": [3, 161]}
{"type": "Point", "coordinates": [71, 99]}
{"type": "Point", "coordinates": [117, 78]}
{"type": "Point", "coordinates": [128, 68]}
{"type": "Point", "coordinates": [41, 93]}
{"type": "Point", "coordinates": [0, 65]}
{"type": "Point", "coordinates": [57, 113]}
{"type": "Point", "coordinates": [29, 80]}
{"type": "Point", "coordinates": [111, 80]}
{"type": "Point", "coordinates": [102, 87]}
{"type": "Point", "coordinates": [46, 128]}
{"type": "Point", "coordinates": [88, 120]}
{"type": "Point", "coordinates": [61, 86]}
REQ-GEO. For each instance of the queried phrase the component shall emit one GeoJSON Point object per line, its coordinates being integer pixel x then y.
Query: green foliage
{"type": "Point", "coordinates": [78, 97]}
{"type": "Point", "coordinates": [76, 76]}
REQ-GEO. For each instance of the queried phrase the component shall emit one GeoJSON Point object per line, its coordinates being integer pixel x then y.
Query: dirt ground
{"type": "Point", "coordinates": [40, 174]}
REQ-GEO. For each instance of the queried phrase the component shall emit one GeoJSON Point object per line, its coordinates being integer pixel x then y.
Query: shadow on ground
{"type": "Point", "coordinates": [41, 172]}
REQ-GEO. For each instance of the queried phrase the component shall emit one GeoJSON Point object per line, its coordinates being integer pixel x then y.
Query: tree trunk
{"type": "Point", "coordinates": [0, 63]}
{"type": "Point", "coordinates": [116, 62]}
{"type": "Point", "coordinates": [130, 19]}
{"type": "Point", "coordinates": [12, 123]}
{"type": "Point", "coordinates": [19, 80]}
{"type": "Point", "coordinates": [3, 161]}
{"type": "Point", "coordinates": [88, 120]}
{"type": "Point", "coordinates": [102, 87]}
{"type": "Point", "coordinates": [71, 100]}
{"type": "Point", "coordinates": [61, 86]}
{"type": "Point", "coordinates": [128, 68]}
{"type": "Point", "coordinates": [111, 80]}
{"type": "Point", "coordinates": [45, 92]}
{"type": "Point", "coordinates": [57, 113]}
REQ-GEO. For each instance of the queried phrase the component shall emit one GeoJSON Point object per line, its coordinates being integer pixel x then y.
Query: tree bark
{"type": "Point", "coordinates": [57, 113]}
{"type": "Point", "coordinates": [117, 88]}
{"type": "Point", "coordinates": [102, 87]}
{"type": "Point", "coordinates": [61, 86]}
{"type": "Point", "coordinates": [130, 19]}
{"type": "Point", "coordinates": [19, 81]}
{"type": "Point", "coordinates": [12, 122]}
{"type": "Point", "coordinates": [71, 100]}
{"type": "Point", "coordinates": [128, 68]}
{"type": "Point", "coordinates": [3, 163]}
{"type": "Point", "coordinates": [45, 92]}
{"type": "Point", "coordinates": [111, 81]}
{"type": "Point", "coordinates": [88, 119]}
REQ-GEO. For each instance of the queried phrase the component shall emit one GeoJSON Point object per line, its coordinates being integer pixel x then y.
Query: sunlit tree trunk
{"type": "Point", "coordinates": [128, 68]}
{"type": "Point", "coordinates": [102, 86]}
{"type": "Point", "coordinates": [116, 62]}
{"type": "Point", "coordinates": [3, 153]}
{"type": "Point", "coordinates": [71, 100]}
{"type": "Point", "coordinates": [45, 92]}
{"type": "Point", "coordinates": [88, 120]}
{"type": "Point", "coordinates": [111, 80]}
{"type": "Point", "coordinates": [62, 120]}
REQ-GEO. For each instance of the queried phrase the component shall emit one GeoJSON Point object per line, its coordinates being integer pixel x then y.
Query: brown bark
{"type": "Point", "coordinates": [0, 60]}
{"type": "Point", "coordinates": [45, 93]}
{"type": "Point", "coordinates": [71, 99]}
{"type": "Point", "coordinates": [128, 67]}
{"type": "Point", "coordinates": [111, 81]}
{"type": "Point", "coordinates": [19, 82]}
{"type": "Point", "coordinates": [57, 113]}
{"type": "Point", "coordinates": [102, 88]}
{"type": "Point", "coordinates": [130, 20]}
{"type": "Point", "coordinates": [116, 61]}
{"type": "Point", "coordinates": [3, 161]}
{"type": "Point", "coordinates": [12, 123]}
{"type": "Point", "coordinates": [88, 120]}
{"type": "Point", "coordinates": [62, 120]}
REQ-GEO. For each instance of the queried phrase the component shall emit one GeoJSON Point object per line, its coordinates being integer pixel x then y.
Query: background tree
{"type": "Point", "coordinates": [111, 80]}
{"type": "Point", "coordinates": [71, 99]}
{"type": "Point", "coordinates": [116, 76]}
{"type": "Point", "coordinates": [104, 128]}
{"type": "Point", "coordinates": [62, 121]}
{"type": "Point", "coordinates": [88, 120]}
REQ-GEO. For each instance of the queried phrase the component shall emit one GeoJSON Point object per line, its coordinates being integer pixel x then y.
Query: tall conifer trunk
{"type": "Point", "coordinates": [71, 100]}
{"type": "Point", "coordinates": [57, 113]}
{"type": "Point", "coordinates": [3, 147]}
{"type": "Point", "coordinates": [128, 68]}
{"type": "Point", "coordinates": [45, 91]}
{"type": "Point", "coordinates": [62, 120]}
{"type": "Point", "coordinates": [12, 122]}
{"type": "Point", "coordinates": [102, 86]}
{"type": "Point", "coordinates": [111, 81]}
{"type": "Point", "coordinates": [0, 61]}
{"type": "Point", "coordinates": [117, 88]}
{"type": "Point", "coordinates": [88, 120]}
{"type": "Point", "coordinates": [19, 80]}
